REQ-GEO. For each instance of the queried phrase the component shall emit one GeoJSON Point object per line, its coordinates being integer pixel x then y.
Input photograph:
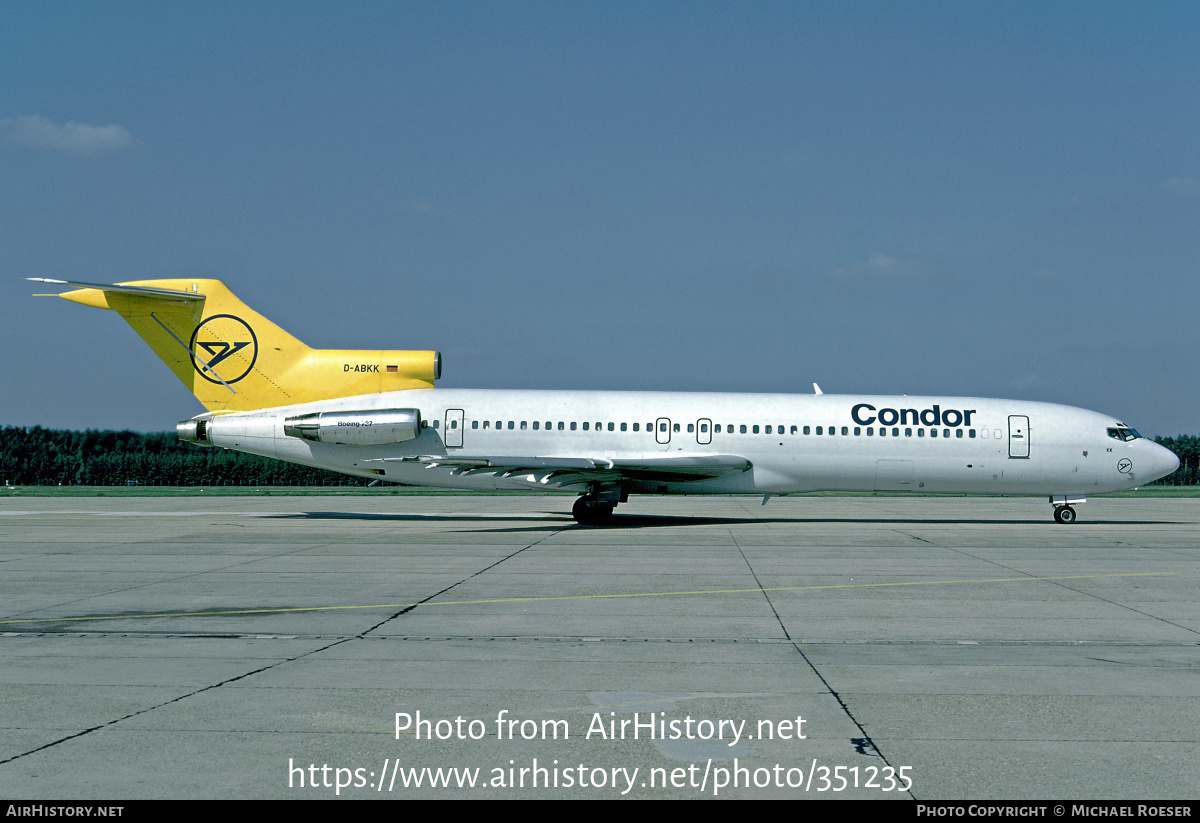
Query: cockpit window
{"type": "Point", "coordinates": [1123, 434]}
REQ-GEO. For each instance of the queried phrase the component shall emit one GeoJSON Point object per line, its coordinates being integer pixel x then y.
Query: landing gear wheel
{"type": "Point", "coordinates": [1064, 514]}
{"type": "Point", "coordinates": [589, 512]}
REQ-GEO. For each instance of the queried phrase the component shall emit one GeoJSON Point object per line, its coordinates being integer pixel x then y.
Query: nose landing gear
{"type": "Point", "coordinates": [1063, 513]}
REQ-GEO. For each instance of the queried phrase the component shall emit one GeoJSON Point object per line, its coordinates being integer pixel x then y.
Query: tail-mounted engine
{"type": "Point", "coordinates": [356, 428]}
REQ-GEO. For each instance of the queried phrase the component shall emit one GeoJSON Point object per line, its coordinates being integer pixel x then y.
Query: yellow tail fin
{"type": "Point", "coordinates": [234, 359]}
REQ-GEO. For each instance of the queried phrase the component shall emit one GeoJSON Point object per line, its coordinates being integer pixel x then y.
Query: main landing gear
{"type": "Point", "coordinates": [588, 511]}
{"type": "Point", "coordinates": [596, 507]}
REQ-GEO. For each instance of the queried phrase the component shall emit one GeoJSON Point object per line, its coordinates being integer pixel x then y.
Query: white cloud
{"type": "Point", "coordinates": [421, 206]}
{"type": "Point", "coordinates": [880, 266]}
{"type": "Point", "coordinates": [1181, 186]}
{"type": "Point", "coordinates": [37, 132]}
{"type": "Point", "coordinates": [881, 262]}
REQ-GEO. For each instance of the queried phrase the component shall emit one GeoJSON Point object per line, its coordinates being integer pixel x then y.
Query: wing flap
{"type": "Point", "coordinates": [646, 467]}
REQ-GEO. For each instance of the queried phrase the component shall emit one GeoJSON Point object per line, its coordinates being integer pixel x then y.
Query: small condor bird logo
{"type": "Point", "coordinates": [224, 348]}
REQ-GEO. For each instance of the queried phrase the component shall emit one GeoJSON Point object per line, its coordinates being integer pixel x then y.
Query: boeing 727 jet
{"type": "Point", "coordinates": [376, 414]}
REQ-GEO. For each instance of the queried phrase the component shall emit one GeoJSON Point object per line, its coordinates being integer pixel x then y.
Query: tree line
{"type": "Point", "coordinates": [50, 457]}
{"type": "Point", "coordinates": [39, 457]}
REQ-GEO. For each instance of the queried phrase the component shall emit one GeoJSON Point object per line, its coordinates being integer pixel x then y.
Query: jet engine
{"type": "Point", "coordinates": [376, 427]}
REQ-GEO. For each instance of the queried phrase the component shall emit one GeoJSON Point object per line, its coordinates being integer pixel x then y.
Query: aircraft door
{"type": "Point", "coordinates": [662, 430]}
{"type": "Point", "coordinates": [1018, 435]}
{"type": "Point", "coordinates": [452, 435]}
{"type": "Point", "coordinates": [703, 431]}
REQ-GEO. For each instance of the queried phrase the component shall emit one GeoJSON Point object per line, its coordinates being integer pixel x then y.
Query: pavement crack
{"type": "Point", "coordinates": [471, 576]}
{"type": "Point", "coordinates": [863, 745]}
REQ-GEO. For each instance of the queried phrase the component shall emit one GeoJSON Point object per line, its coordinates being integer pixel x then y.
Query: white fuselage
{"type": "Point", "coordinates": [792, 443]}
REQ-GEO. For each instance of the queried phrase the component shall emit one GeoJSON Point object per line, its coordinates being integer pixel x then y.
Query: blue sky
{"type": "Point", "coordinates": [993, 199]}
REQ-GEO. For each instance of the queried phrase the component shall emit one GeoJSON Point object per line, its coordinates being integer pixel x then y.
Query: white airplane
{"type": "Point", "coordinates": [375, 414]}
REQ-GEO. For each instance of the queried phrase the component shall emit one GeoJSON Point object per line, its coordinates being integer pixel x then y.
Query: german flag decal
{"type": "Point", "coordinates": [393, 369]}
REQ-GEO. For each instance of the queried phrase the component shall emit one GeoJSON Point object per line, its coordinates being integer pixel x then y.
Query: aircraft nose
{"type": "Point", "coordinates": [1165, 461]}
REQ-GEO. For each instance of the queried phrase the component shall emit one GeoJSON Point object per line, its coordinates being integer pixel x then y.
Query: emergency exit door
{"type": "Point", "coordinates": [453, 433]}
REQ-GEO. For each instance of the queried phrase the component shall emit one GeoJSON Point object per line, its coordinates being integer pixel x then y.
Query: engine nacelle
{"type": "Point", "coordinates": [356, 428]}
{"type": "Point", "coordinates": [193, 431]}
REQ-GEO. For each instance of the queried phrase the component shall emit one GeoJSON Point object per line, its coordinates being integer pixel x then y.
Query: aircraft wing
{"type": "Point", "coordinates": [570, 470]}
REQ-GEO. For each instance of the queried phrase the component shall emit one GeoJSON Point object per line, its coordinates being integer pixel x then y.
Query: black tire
{"type": "Point", "coordinates": [1065, 515]}
{"type": "Point", "coordinates": [591, 513]}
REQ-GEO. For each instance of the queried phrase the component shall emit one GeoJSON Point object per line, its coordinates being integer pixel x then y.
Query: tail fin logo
{"type": "Point", "coordinates": [224, 348]}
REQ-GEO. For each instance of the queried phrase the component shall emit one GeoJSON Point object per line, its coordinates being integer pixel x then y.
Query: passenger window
{"type": "Point", "coordinates": [560, 425]}
{"type": "Point", "coordinates": [958, 433]}
{"type": "Point", "coordinates": [624, 426]}
{"type": "Point", "coordinates": [474, 424]}
{"type": "Point", "coordinates": [635, 426]}
{"type": "Point", "coordinates": [585, 426]}
{"type": "Point", "coordinates": [743, 427]}
{"type": "Point", "coordinates": [895, 432]}
{"type": "Point", "coordinates": [535, 425]}
{"type": "Point", "coordinates": [983, 433]}
{"type": "Point", "coordinates": [511, 425]}
{"type": "Point", "coordinates": [996, 433]}
{"type": "Point", "coordinates": [945, 432]}
{"type": "Point", "coordinates": [676, 427]}
{"type": "Point", "coordinates": [908, 432]}
{"type": "Point", "coordinates": [857, 431]}
{"type": "Point", "coordinates": [971, 434]}
{"type": "Point", "coordinates": [845, 431]}
{"type": "Point", "coordinates": [820, 430]}
{"type": "Point", "coordinates": [870, 431]}
{"type": "Point", "coordinates": [485, 423]}
{"type": "Point", "coordinates": [768, 430]}
{"type": "Point", "coordinates": [435, 423]}
{"type": "Point", "coordinates": [756, 429]}
{"type": "Point", "coordinates": [524, 425]}
{"type": "Point", "coordinates": [933, 432]}
{"type": "Point", "coordinates": [920, 432]}
{"type": "Point", "coordinates": [572, 425]}
{"type": "Point", "coordinates": [611, 427]}
{"type": "Point", "coordinates": [806, 430]}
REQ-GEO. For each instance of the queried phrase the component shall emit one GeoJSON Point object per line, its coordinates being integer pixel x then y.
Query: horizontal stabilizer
{"type": "Point", "coordinates": [168, 294]}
